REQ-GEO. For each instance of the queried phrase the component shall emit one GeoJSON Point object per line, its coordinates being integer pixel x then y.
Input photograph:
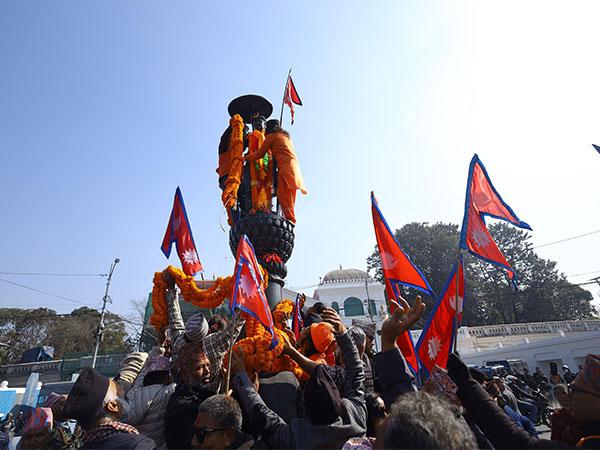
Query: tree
{"type": "Point", "coordinates": [22, 329]}
{"type": "Point", "coordinates": [544, 294]}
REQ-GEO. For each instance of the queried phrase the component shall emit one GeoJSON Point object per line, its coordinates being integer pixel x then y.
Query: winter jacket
{"type": "Point", "coordinates": [122, 441]}
{"type": "Point", "coordinates": [147, 407]}
{"type": "Point", "coordinates": [301, 433]}
{"type": "Point", "coordinates": [394, 375]}
{"type": "Point", "coordinates": [180, 414]}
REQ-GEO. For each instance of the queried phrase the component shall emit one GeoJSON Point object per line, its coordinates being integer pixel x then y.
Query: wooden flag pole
{"type": "Point", "coordinates": [456, 300]}
{"type": "Point", "coordinates": [287, 80]}
{"type": "Point", "coordinates": [235, 315]}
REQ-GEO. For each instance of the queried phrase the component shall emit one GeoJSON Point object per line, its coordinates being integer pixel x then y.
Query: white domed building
{"type": "Point", "coordinates": [354, 294]}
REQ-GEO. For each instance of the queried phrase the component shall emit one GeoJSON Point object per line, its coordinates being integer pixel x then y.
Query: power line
{"type": "Point", "coordinates": [50, 274]}
{"type": "Point", "coordinates": [585, 273]}
{"type": "Point", "coordinates": [567, 239]}
{"type": "Point", "coordinates": [44, 292]}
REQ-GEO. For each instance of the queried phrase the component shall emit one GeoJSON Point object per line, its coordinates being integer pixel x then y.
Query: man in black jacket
{"type": "Point", "coordinates": [97, 404]}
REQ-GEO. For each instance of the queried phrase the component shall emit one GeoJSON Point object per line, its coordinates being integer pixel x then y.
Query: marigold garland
{"type": "Point", "coordinates": [255, 346]}
{"type": "Point", "coordinates": [202, 298]}
{"type": "Point", "coordinates": [236, 149]}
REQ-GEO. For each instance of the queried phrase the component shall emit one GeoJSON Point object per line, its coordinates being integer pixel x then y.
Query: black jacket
{"type": "Point", "coordinates": [122, 441]}
{"type": "Point", "coordinates": [394, 375]}
{"type": "Point", "coordinates": [181, 413]}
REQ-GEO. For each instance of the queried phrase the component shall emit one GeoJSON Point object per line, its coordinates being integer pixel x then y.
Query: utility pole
{"type": "Point", "coordinates": [104, 301]}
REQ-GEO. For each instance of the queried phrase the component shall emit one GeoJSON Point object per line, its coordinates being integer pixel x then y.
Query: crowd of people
{"type": "Point", "coordinates": [181, 395]}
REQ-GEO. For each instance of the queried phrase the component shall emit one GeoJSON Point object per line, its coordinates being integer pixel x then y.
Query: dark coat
{"type": "Point", "coordinates": [122, 441]}
{"type": "Point", "coordinates": [394, 375]}
{"type": "Point", "coordinates": [181, 413]}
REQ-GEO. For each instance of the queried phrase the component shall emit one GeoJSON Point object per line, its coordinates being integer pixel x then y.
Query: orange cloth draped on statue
{"type": "Point", "coordinates": [289, 175]}
{"type": "Point", "coordinates": [261, 174]}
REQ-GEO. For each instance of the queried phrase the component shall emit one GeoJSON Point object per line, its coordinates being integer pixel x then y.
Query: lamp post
{"type": "Point", "coordinates": [104, 301]}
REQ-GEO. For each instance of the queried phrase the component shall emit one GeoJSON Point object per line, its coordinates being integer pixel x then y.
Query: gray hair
{"type": "Point", "coordinates": [102, 413]}
{"type": "Point", "coordinates": [358, 336]}
{"type": "Point", "coordinates": [224, 410]}
{"type": "Point", "coordinates": [420, 420]}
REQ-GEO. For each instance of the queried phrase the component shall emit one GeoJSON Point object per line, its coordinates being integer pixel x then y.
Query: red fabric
{"type": "Point", "coordinates": [180, 232]}
{"type": "Point", "coordinates": [398, 269]}
{"type": "Point", "coordinates": [291, 96]}
{"type": "Point", "coordinates": [248, 294]}
{"type": "Point", "coordinates": [437, 338]}
{"type": "Point", "coordinates": [394, 262]}
{"type": "Point", "coordinates": [482, 199]}
{"type": "Point", "coordinates": [297, 322]}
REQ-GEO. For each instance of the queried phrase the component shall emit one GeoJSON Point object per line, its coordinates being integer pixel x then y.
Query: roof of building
{"type": "Point", "coordinates": [346, 276]}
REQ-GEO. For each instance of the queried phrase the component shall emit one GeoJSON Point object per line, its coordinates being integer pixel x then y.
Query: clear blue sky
{"type": "Point", "coordinates": [105, 107]}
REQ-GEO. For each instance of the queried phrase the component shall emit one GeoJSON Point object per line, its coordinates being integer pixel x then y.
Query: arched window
{"type": "Point", "coordinates": [372, 308]}
{"type": "Point", "coordinates": [336, 306]}
{"type": "Point", "coordinates": [353, 307]}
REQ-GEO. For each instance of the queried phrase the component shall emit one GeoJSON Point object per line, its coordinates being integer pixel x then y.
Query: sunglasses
{"type": "Point", "coordinates": [200, 433]}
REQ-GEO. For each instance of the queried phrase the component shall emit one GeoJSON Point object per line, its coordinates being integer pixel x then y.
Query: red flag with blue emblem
{"type": "Point", "coordinates": [483, 200]}
{"type": "Point", "coordinates": [435, 342]}
{"type": "Point", "coordinates": [179, 231]}
{"type": "Point", "coordinates": [397, 270]}
{"type": "Point", "coordinates": [248, 294]}
{"type": "Point", "coordinates": [297, 322]}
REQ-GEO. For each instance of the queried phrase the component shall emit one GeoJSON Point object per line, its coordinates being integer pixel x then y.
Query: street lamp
{"type": "Point", "coordinates": [104, 301]}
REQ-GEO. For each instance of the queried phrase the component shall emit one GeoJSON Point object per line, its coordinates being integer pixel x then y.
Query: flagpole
{"type": "Point", "coordinates": [456, 300]}
{"type": "Point", "coordinates": [230, 354]}
{"type": "Point", "coordinates": [287, 80]}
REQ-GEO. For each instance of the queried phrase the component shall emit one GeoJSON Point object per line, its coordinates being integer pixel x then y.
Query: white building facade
{"type": "Point", "coordinates": [354, 294]}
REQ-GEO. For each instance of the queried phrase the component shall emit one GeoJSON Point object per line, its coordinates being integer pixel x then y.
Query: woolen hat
{"type": "Point", "coordinates": [322, 401]}
{"type": "Point", "coordinates": [588, 379]}
{"type": "Point", "coordinates": [86, 396]}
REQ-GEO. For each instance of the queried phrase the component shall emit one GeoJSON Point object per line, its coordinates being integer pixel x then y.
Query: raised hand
{"type": "Point", "coordinates": [330, 316]}
{"type": "Point", "coordinates": [402, 319]}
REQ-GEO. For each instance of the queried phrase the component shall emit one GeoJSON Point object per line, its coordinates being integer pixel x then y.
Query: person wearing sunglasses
{"type": "Point", "coordinates": [218, 425]}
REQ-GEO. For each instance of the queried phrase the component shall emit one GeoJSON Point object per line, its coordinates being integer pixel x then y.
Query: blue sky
{"type": "Point", "coordinates": [107, 106]}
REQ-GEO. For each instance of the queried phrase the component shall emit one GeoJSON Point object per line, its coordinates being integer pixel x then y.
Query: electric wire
{"type": "Point", "coordinates": [567, 239]}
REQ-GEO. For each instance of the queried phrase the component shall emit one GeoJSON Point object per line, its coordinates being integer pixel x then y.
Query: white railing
{"type": "Point", "coordinates": [530, 328]}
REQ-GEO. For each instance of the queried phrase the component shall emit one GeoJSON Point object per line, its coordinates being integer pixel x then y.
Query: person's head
{"type": "Point", "coordinates": [56, 403]}
{"type": "Point", "coordinates": [538, 370]}
{"type": "Point", "coordinates": [218, 422]}
{"type": "Point", "coordinates": [258, 122]}
{"type": "Point", "coordinates": [376, 413]}
{"type": "Point", "coordinates": [561, 394]}
{"type": "Point", "coordinates": [95, 399]}
{"type": "Point", "coordinates": [359, 338]}
{"type": "Point", "coordinates": [420, 420]}
{"type": "Point", "coordinates": [585, 400]}
{"type": "Point", "coordinates": [525, 370]}
{"type": "Point", "coordinates": [9, 417]}
{"type": "Point", "coordinates": [322, 399]}
{"type": "Point", "coordinates": [192, 366]}
{"type": "Point", "coordinates": [566, 369]}
{"type": "Point", "coordinates": [316, 339]}
{"type": "Point", "coordinates": [273, 126]}
{"type": "Point", "coordinates": [496, 393]}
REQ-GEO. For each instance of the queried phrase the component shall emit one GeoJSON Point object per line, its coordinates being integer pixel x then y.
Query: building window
{"type": "Point", "coordinates": [372, 308]}
{"type": "Point", "coordinates": [353, 307]}
{"type": "Point", "coordinates": [336, 306]}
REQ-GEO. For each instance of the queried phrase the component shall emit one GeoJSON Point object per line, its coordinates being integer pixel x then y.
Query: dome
{"type": "Point", "coordinates": [346, 276]}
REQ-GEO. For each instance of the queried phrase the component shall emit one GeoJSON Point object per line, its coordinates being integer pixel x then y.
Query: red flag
{"type": "Point", "coordinates": [180, 232]}
{"type": "Point", "coordinates": [483, 200]}
{"type": "Point", "coordinates": [291, 96]}
{"type": "Point", "coordinates": [248, 294]}
{"type": "Point", "coordinates": [297, 322]}
{"type": "Point", "coordinates": [435, 342]}
{"type": "Point", "coordinates": [397, 270]}
{"type": "Point", "coordinates": [404, 341]}
{"type": "Point", "coordinates": [397, 267]}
